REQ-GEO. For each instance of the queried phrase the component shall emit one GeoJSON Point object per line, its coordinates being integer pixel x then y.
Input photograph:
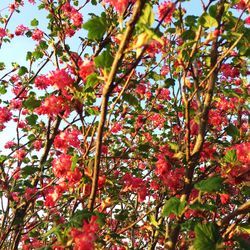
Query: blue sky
{"type": "Point", "coordinates": [16, 51]}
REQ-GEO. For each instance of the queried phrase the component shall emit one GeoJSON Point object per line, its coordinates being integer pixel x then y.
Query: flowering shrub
{"type": "Point", "coordinates": [126, 128]}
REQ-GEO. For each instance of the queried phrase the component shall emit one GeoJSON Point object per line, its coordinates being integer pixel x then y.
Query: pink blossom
{"type": "Point", "coordinates": [86, 68]}
{"type": "Point", "coordinates": [166, 11]}
{"type": "Point", "coordinates": [37, 35]}
{"type": "Point", "coordinates": [20, 29]}
{"type": "Point", "coordinates": [60, 79]}
{"type": "Point", "coordinates": [2, 33]}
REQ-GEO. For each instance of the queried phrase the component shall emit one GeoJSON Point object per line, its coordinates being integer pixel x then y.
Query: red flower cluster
{"type": "Point", "coordinates": [37, 35]}
{"type": "Point", "coordinates": [60, 79]}
{"type": "Point", "coordinates": [73, 14]}
{"type": "Point", "coordinates": [166, 11]}
{"type": "Point", "coordinates": [52, 106]}
{"type": "Point", "coordinates": [86, 68]}
{"type": "Point", "coordinates": [5, 116]}
{"type": "Point", "coordinates": [84, 238]}
{"type": "Point", "coordinates": [135, 184]}
{"type": "Point", "coordinates": [119, 5]}
{"type": "Point", "coordinates": [66, 139]}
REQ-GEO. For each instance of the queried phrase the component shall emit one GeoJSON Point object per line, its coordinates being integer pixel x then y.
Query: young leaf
{"type": "Point", "coordinates": [206, 237]}
{"type": "Point", "coordinates": [34, 22]}
{"type": "Point", "coordinates": [208, 21]}
{"type": "Point", "coordinates": [147, 17]}
{"type": "Point", "coordinates": [232, 130]}
{"type": "Point", "coordinates": [230, 156]}
{"type": "Point", "coordinates": [210, 185]}
{"type": "Point", "coordinates": [96, 27]}
{"type": "Point", "coordinates": [173, 205]}
{"type": "Point", "coordinates": [22, 71]}
{"type": "Point", "coordinates": [104, 60]}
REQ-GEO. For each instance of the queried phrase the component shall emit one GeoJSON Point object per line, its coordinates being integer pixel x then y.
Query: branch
{"type": "Point", "coordinates": [105, 96]}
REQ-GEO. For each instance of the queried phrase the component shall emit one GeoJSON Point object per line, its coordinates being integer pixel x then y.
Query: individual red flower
{"type": "Point", "coordinates": [224, 198]}
{"type": "Point", "coordinates": [86, 68]}
{"type": "Point", "coordinates": [2, 32]}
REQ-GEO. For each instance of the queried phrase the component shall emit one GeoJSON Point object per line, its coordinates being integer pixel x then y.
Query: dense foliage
{"type": "Point", "coordinates": [129, 126]}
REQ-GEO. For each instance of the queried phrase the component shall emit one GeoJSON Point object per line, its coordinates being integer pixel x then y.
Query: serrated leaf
{"type": "Point", "coordinates": [202, 207]}
{"type": "Point", "coordinates": [208, 21]}
{"type": "Point", "coordinates": [130, 99]}
{"type": "Point", "coordinates": [190, 20]}
{"type": "Point", "coordinates": [206, 236]}
{"type": "Point", "coordinates": [34, 22]}
{"type": "Point", "coordinates": [153, 220]}
{"type": "Point", "coordinates": [173, 205]}
{"type": "Point", "coordinates": [104, 60]}
{"type": "Point", "coordinates": [3, 90]}
{"type": "Point", "coordinates": [188, 35]}
{"type": "Point", "coordinates": [169, 82]}
{"type": "Point", "coordinates": [230, 156]}
{"type": "Point", "coordinates": [232, 130]}
{"type": "Point", "coordinates": [147, 17]}
{"type": "Point", "coordinates": [74, 161]}
{"type": "Point", "coordinates": [29, 170]}
{"type": "Point", "coordinates": [91, 81]}
{"type": "Point", "coordinates": [96, 27]}
{"type": "Point", "coordinates": [245, 228]}
{"type": "Point", "coordinates": [23, 70]}
{"type": "Point", "coordinates": [211, 184]}
{"type": "Point", "coordinates": [31, 119]}
{"type": "Point", "coordinates": [31, 103]}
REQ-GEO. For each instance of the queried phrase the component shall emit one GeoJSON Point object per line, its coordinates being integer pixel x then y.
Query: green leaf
{"type": "Point", "coordinates": [29, 170]}
{"type": "Point", "coordinates": [77, 219]}
{"type": "Point", "coordinates": [31, 103]}
{"type": "Point", "coordinates": [104, 60]}
{"type": "Point", "coordinates": [32, 119]}
{"type": "Point", "coordinates": [244, 245]}
{"type": "Point", "coordinates": [23, 70]}
{"type": "Point", "coordinates": [147, 17]}
{"type": "Point", "coordinates": [3, 90]}
{"type": "Point", "coordinates": [244, 227]}
{"type": "Point", "coordinates": [232, 130]}
{"type": "Point", "coordinates": [2, 66]}
{"type": "Point", "coordinates": [144, 147]}
{"type": "Point", "coordinates": [43, 45]}
{"type": "Point", "coordinates": [130, 99]}
{"type": "Point", "coordinates": [34, 22]}
{"type": "Point", "coordinates": [169, 82]}
{"type": "Point", "coordinates": [203, 207]}
{"type": "Point", "coordinates": [188, 35]}
{"type": "Point", "coordinates": [173, 205]}
{"type": "Point", "coordinates": [96, 27]}
{"type": "Point", "coordinates": [153, 220]}
{"type": "Point", "coordinates": [74, 161]}
{"type": "Point", "coordinates": [206, 237]}
{"type": "Point", "coordinates": [208, 21]}
{"type": "Point", "coordinates": [230, 156]}
{"type": "Point", "coordinates": [190, 20]}
{"type": "Point", "coordinates": [91, 81]}
{"type": "Point", "coordinates": [211, 184]}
